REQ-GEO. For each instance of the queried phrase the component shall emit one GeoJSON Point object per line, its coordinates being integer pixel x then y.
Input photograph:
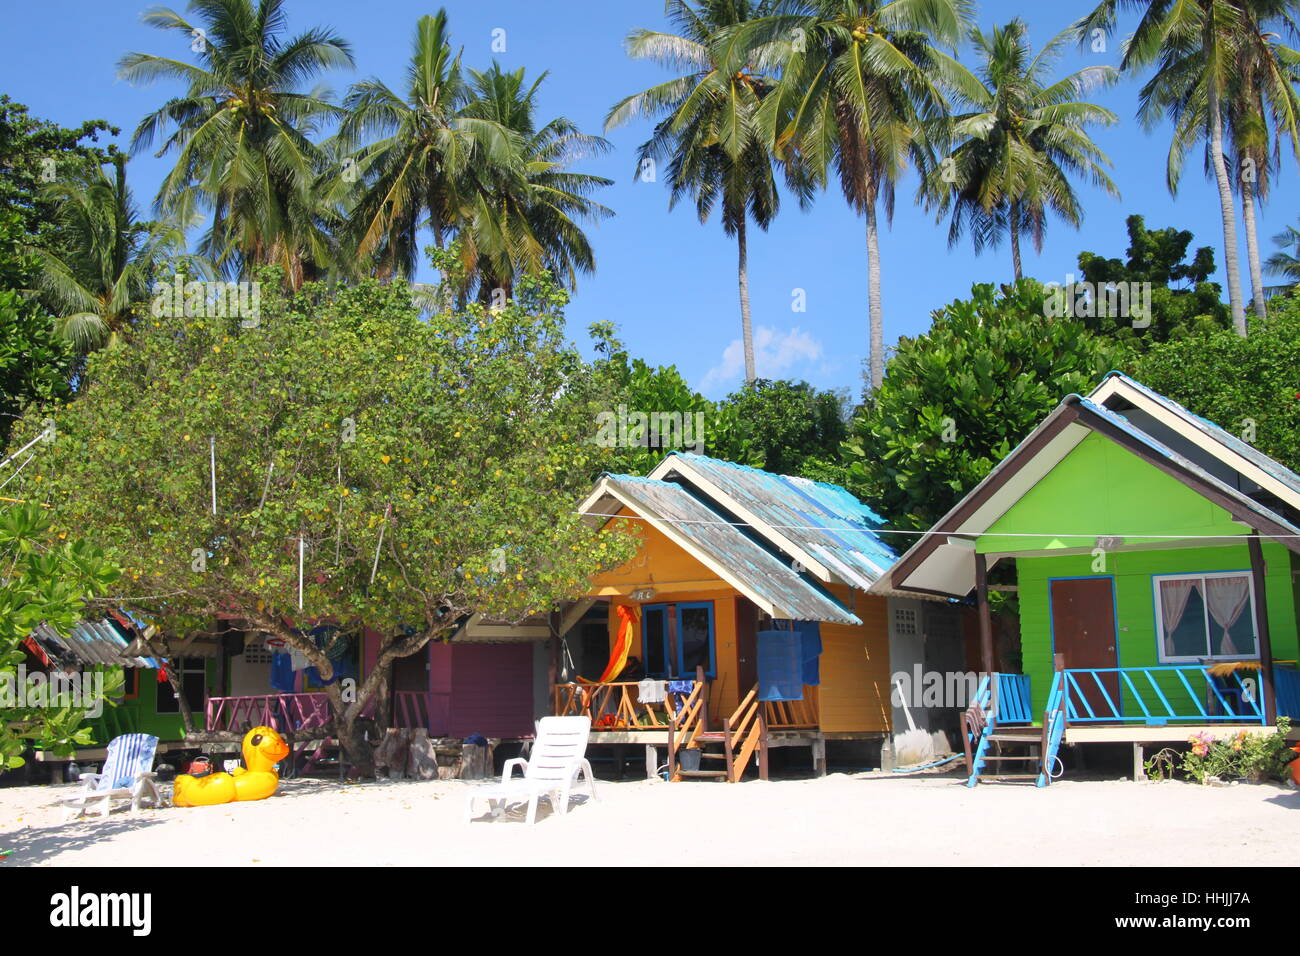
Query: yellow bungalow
{"type": "Point", "coordinates": [741, 624]}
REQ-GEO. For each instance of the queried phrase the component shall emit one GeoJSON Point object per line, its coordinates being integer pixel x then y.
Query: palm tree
{"type": "Point", "coordinates": [108, 260]}
{"type": "Point", "coordinates": [861, 89]}
{"type": "Point", "coordinates": [242, 131]}
{"type": "Point", "coordinates": [1284, 263]}
{"type": "Point", "coordinates": [707, 136]}
{"type": "Point", "coordinates": [1022, 141]}
{"type": "Point", "coordinates": [1197, 46]}
{"type": "Point", "coordinates": [417, 173]}
{"type": "Point", "coordinates": [529, 223]}
{"type": "Point", "coordinates": [1259, 91]}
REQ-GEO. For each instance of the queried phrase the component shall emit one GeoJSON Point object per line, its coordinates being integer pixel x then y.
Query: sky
{"type": "Point", "coordinates": [665, 280]}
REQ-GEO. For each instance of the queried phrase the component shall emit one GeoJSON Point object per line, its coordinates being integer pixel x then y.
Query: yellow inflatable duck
{"type": "Point", "coordinates": [256, 780]}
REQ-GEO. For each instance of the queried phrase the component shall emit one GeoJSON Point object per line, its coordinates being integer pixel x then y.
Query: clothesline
{"type": "Point", "coordinates": [1090, 535]}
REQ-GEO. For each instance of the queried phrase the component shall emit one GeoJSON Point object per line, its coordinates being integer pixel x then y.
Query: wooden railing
{"type": "Point", "coordinates": [613, 706]}
{"type": "Point", "coordinates": [792, 714]}
{"type": "Point", "coordinates": [1161, 694]}
{"type": "Point", "coordinates": [746, 732]}
{"type": "Point", "coordinates": [690, 721]}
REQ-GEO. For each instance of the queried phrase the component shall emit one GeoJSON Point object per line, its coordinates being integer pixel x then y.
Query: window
{"type": "Point", "coordinates": [191, 671]}
{"type": "Point", "coordinates": [677, 638]}
{"type": "Point", "coordinates": [1205, 616]}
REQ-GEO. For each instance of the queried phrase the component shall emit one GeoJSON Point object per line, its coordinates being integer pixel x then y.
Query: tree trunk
{"type": "Point", "coordinates": [1252, 249]}
{"type": "Point", "coordinates": [183, 704]}
{"type": "Point", "coordinates": [875, 316]}
{"type": "Point", "coordinates": [1226, 210]}
{"type": "Point", "coordinates": [1015, 240]}
{"type": "Point", "coordinates": [746, 325]}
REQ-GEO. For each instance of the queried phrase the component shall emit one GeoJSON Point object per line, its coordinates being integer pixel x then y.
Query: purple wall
{"type": "Point", "coordinates": [482, 689]}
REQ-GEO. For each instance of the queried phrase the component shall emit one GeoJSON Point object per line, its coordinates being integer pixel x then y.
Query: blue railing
{"type": "Point", "coordinates": [1160, 694]}
{"type": "Point", "coordinates": [1014, 705]}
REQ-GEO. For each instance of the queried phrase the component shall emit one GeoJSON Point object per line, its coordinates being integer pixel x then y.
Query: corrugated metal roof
{"type": "Point", "coordinates": [89, 643]}
{"type": "Point", "coordinates": [823, 518]}
{"type": "Point", "coordinates": [745, 559]}
{"type": "Point", "coordinates": [1208, 428]}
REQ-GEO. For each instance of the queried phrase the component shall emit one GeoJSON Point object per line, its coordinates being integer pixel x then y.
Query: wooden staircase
{"type": "Point", "coordinates": [1000, 750]}
{"type": "Point", "coordinates": [723, 755]}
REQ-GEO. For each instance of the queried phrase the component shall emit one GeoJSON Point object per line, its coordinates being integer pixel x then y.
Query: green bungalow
{"type": "Point", "coordinates": [1157, 564]}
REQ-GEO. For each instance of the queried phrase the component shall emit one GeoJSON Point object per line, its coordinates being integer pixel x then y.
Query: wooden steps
{"type": "Point", "coordinates": [702, 774]}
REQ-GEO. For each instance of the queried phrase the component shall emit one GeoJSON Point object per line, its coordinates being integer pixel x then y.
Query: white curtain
{"type": "Point", "coordinates": [1173, 602]}
{"type": "Point", "coordinates": [1226, 599]}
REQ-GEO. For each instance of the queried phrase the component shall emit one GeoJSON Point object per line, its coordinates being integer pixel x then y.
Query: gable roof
{"type": "Point", "coordinates": [822, 526]}
{"type": "Point", "coordinates": [939, 563]}
{"type": "Point", "coordinates": [717, 543]}
{"type": "Point", "coordinates": [1249, 462]}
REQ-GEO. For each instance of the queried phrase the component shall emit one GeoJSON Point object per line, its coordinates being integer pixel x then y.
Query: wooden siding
{"type": "Point", "coordinates": [854, 692]}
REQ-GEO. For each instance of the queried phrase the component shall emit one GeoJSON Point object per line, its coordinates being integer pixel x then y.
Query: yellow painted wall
{"type": "Point", "coordinates": [659, 564]}
{"type": "Point", "coordinates": [854, 692]}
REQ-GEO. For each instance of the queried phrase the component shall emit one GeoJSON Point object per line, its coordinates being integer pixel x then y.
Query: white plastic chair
{"type": "Point", "coordinates": [552, 769]}
{"type": "Point", "coordinates": [127, 775]}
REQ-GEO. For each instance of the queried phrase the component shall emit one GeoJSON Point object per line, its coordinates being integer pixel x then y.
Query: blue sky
{"type": "Point", "coordinates": [665, 280]}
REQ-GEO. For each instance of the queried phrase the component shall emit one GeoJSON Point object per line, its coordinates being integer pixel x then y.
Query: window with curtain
{"type": "Point", "coordinates": [1205, 616]}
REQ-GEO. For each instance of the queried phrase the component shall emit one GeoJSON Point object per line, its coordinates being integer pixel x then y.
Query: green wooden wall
{"type": "Point", "coordinates": [140, 713]}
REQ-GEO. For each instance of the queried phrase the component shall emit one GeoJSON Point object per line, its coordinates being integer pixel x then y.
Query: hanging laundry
{"type": "Point", "coordinates": [681, 686]}
{"type": "Point", "coordinates": [651, 691]}
{"type": "Point", "coordinates": [343, 668]}
{"type": "Point", "coordinates": [282, 675]}
{"type": "Point", "coordinates": [811, 645]}
{"type": "Point", "coordinates": [298, 660]}
{"type": "Point", "coordinates": [780, 665]}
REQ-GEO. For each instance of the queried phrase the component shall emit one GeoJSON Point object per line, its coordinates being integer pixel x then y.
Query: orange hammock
{"type": "Point", "coordinates": [628, 616]}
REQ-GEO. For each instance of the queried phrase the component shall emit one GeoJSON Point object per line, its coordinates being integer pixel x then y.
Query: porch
{"type": "Point", "coordinates": [684, 721]}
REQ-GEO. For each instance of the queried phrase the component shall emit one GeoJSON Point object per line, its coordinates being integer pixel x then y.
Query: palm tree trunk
{"type": "Point", "coordinates": [875, 315]}
{"type": "Point", "coordinates": [746, 325]}
{"type": "Point", "coordinates": [1226, 210]}
{"type": "Point", "coordinates": [1252, 249]}
{"type": "Point", "coordinates": [1015, 240]}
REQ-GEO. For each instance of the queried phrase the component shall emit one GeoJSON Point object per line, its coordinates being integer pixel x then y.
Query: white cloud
{"type": "Point", "coordinates": [775, 353]}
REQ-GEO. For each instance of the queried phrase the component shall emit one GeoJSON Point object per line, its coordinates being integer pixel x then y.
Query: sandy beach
{"type": "Point", "coordinates": [842, 819]}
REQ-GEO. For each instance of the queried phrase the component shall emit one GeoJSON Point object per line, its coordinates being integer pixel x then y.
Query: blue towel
{"type": "Point", "coordinates": [282, 676]}
{"type": "Point", "coordinates": [681, 686]}
{"type": "Point", "coordinates": [810, 633]}
{"type": "Point", "coordinates": [780, 665]}
{"type": "Point", "coordinates": [343, 667]}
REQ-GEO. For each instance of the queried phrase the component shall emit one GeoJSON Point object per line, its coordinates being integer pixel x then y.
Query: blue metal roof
{"type": "Point", "coordinates": [824, 519]}
{"type": "Point", "coordinates": [744, 558]}
{"type": "Point", "coordinates": [89, 642]}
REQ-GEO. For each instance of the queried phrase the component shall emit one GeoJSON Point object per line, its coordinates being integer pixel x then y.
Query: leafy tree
{"type": "Point", "coordinates": [958, 398]}
{"type": "Point", "coordinates": [788, 427]}
{"type": "Point", "coordinates": [1021, 142]}
{"type": "Point", "coordinates": [241, 131]}
{"type": "Point", "coordinates": [861, 90]}
{"type": "Point", "coordinates": [1183, 299]}
{"type": "Point", "coordinates": [44, 582]}
{"type": "Point", "coordinates": [417, 470]}
{"type": "Point", "coordinates": [1247, 386]}
{"type": "Point", "coordinates": [35, 153]}
{"type": "Point", "coordinates": [35, 363]}
{"type": "Point", "coordinates": [707, 134]}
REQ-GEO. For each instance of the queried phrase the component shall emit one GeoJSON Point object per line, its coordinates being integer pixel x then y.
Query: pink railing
{"type": "Point", "coordinates": [290, 712]}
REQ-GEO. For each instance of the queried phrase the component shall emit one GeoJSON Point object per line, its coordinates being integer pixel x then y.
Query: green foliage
{"type": "Point", "coordinates": [46, 580]}
{"type": "Point", "coordinates": [958, 399]}
{"type": "Point", "coordinates": [788, 427]}
{"type": "Point", "coordinates": [26, 146]}
{"type": "Point", "coordinates": [1246, 385]}
{"type": "Point", "coordinates": [341, 418]}
{"type": "Point", "coordinates": [34, 361]}
{"type": "Point", "coordinates": [1184, 301]}
{"type": "Point", "coordinates": [1253, 756]}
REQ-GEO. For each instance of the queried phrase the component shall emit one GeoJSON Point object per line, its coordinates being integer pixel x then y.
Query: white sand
{"type": "Point", "coordinates": [840, 819]}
